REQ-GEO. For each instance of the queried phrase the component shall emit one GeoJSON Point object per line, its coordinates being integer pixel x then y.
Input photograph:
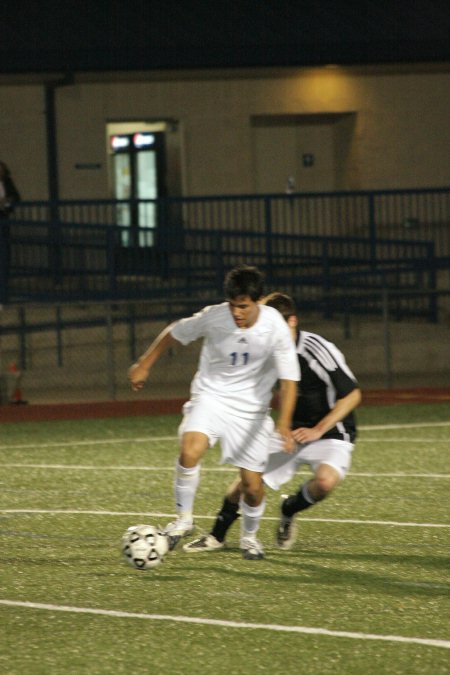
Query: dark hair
{"type": "Point", "coordinates": [244, 280]}
{"type": "Point", "coordinates": [283, 303]}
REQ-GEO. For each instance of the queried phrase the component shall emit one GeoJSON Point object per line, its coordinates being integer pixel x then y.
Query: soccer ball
{"type": "Point", "coordinates": [144, 546]}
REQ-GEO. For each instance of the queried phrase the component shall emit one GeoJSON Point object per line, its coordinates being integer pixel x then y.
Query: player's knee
{"type": "Point", "coordinates": [252, 498]}
{"type": "Point", "coordinates": [189, 458]}
{"type": "Point", "coordinates": [193, 447]}
{"type": "Point", "coordinates": [325, 484]}
{"type": "Point", "coordinates": [253, 493]}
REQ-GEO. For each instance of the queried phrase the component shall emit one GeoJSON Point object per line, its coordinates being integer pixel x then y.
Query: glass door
{"type": "Point", "coordinates": [146, 189]}
{"type": "Point", "coordinates": [123, 189]}
{"type": "Point", "coordinates": [138, 163]}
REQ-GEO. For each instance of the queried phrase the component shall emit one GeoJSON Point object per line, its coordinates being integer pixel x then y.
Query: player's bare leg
{"type": "Point", "coordinates": [323, 483]}
{"type": "Point", "coordinates": [317, 488]}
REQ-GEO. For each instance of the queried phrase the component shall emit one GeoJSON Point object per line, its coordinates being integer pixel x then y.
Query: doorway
{"type": "Point", "coordinates": [301, 152]}
{"type": "Point", "coordinates": [144, 167]}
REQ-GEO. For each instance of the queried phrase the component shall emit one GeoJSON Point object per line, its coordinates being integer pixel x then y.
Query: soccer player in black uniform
{"type": "Point", "coordinates": [324, 430]}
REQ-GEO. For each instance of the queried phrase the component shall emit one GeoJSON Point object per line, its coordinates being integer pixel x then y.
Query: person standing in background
{"type": "Point", "coordinates": [9, 196]}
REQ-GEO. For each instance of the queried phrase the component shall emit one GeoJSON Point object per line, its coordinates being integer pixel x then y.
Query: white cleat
{"type": "Point", "coordinates": [251, 549]}
{"type": "Point", "coordinates": [178, 529]}
{"type": "Point", "coordinates": [205, 543]}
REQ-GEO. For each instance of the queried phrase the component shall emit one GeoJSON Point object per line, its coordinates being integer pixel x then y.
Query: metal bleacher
{"type": "Point", "coordinates": [81, 289]}
{"type": "Point", "coordinates": [328, 250]}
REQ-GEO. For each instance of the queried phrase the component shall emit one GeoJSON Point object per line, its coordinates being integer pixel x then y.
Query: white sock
{"type": "Point", "coordinates": [186, 483]}
{"type": "Point", "coordinates": [251, 515]}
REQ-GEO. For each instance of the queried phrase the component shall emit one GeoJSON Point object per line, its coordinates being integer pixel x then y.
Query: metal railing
{"type": "Point", "coordinates": [415, 213]}
{"type": "Point", "coordinates": [307, 243]}
{"type": "Point", "coordinates": [80, 350]}
{"type": "Point", "coordinates": [88, 263]}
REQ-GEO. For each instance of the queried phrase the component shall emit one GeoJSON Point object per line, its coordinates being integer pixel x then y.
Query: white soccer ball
{"type": "Point", "coordinates": [144, 546]}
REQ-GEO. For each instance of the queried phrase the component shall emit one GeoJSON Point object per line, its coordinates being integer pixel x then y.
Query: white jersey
{"type": "Point", "coordinates": [239, 366]}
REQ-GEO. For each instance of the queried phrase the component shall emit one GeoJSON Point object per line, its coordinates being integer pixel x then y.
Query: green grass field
{"type": "Point", "coordinates": [365, 589]}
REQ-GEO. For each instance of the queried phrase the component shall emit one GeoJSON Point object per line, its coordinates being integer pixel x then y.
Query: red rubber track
{"type": "Point", "coordinates": [105, 409]}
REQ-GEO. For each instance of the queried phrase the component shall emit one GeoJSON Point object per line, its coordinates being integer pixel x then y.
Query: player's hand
{"type": "Point", "coordinates": [306, 434]}
{"type": "Point", "coordinates": [288, 441]}
{"type": "Point", "coordinates": [137, 376]}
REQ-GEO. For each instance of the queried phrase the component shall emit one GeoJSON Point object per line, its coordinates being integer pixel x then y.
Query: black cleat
{"type": "Point", "coordinates": [287, 530]}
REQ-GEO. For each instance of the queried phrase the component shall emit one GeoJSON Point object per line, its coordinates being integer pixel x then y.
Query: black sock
{"type": "Point", "coordinates": [224, 519]}
{"type": "Point", "coordinates": [299, 502]}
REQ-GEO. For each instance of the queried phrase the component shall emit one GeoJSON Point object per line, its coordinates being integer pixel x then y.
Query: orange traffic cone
{"type": "Point", "coordinates": [16, 391]}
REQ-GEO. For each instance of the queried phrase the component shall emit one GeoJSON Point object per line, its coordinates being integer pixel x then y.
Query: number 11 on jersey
{"type": "Point", "coordinates": [239, 359]}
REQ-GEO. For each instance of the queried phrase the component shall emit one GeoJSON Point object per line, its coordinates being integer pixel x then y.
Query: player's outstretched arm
{"type": "Point", "coordinates": [287, 397]}
{"type": "Point", "coordinates": [139, 371]}
{"type": "Point", "coordinates": [342, 408]}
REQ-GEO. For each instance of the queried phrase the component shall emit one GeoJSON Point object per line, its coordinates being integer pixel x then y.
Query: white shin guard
{"type": "Point", "coordinates": [251, 515]}
{"type": "Point", "coordinates": [186, 483]}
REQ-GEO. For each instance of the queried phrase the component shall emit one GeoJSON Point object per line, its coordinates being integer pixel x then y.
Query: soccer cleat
{"type": "Point", "coordinates": [205, 543]}
{"type": "Point", "coordinates": [251, 549]}
{"type": "Point", "coordinates": [286, 530]}
{"type": "Point", "coordinates": [178, 529]}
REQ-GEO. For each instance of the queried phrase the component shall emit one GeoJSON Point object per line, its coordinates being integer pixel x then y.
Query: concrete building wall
{"type": "Point", "coordinates": [395, 134]}
{"type": "Point", "coordinates": [23, 138]}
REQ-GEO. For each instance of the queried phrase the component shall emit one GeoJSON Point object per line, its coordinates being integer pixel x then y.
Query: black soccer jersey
{"type": "Point", "coordinates": [325, 378]}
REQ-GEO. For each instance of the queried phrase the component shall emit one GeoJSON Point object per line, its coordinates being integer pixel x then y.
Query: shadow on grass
{"type": "Point", "coordinates": [292, 567]}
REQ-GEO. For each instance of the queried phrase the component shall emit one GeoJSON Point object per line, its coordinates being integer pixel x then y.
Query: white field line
{"type": "Point", "coordinates": [97, 441]}
{"type": "Point", "coordinates": [120, 467]}
{"type": "Point", "coordinates": [397, 475]}
{"type": "Point", "coordinates": [413, 425]}
{"type": "Point", "coordinates": [99, 467]}
{"type": "Point", "coordinates": [241, 625]}
{"type": "Point", "coordinates": [155, 514]}
{"type": "Point", "coordinates": [429, 441]}
{"type": "Point", "coordinates": [419, 584]}
{"type": "Point", "coordinates": [155, 439]}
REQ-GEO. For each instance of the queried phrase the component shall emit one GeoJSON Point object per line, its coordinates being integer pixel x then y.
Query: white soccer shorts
{"type": "Point", "coordinates": [282, 466]}
{"type": "Point", "coordinates": [244, 441]}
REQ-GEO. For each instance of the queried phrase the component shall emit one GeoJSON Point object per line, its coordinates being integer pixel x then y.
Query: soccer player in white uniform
{"type": "Point", "coordinates": [324, 430]}
{"type": "Point", "coordinates": [246, 348]}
